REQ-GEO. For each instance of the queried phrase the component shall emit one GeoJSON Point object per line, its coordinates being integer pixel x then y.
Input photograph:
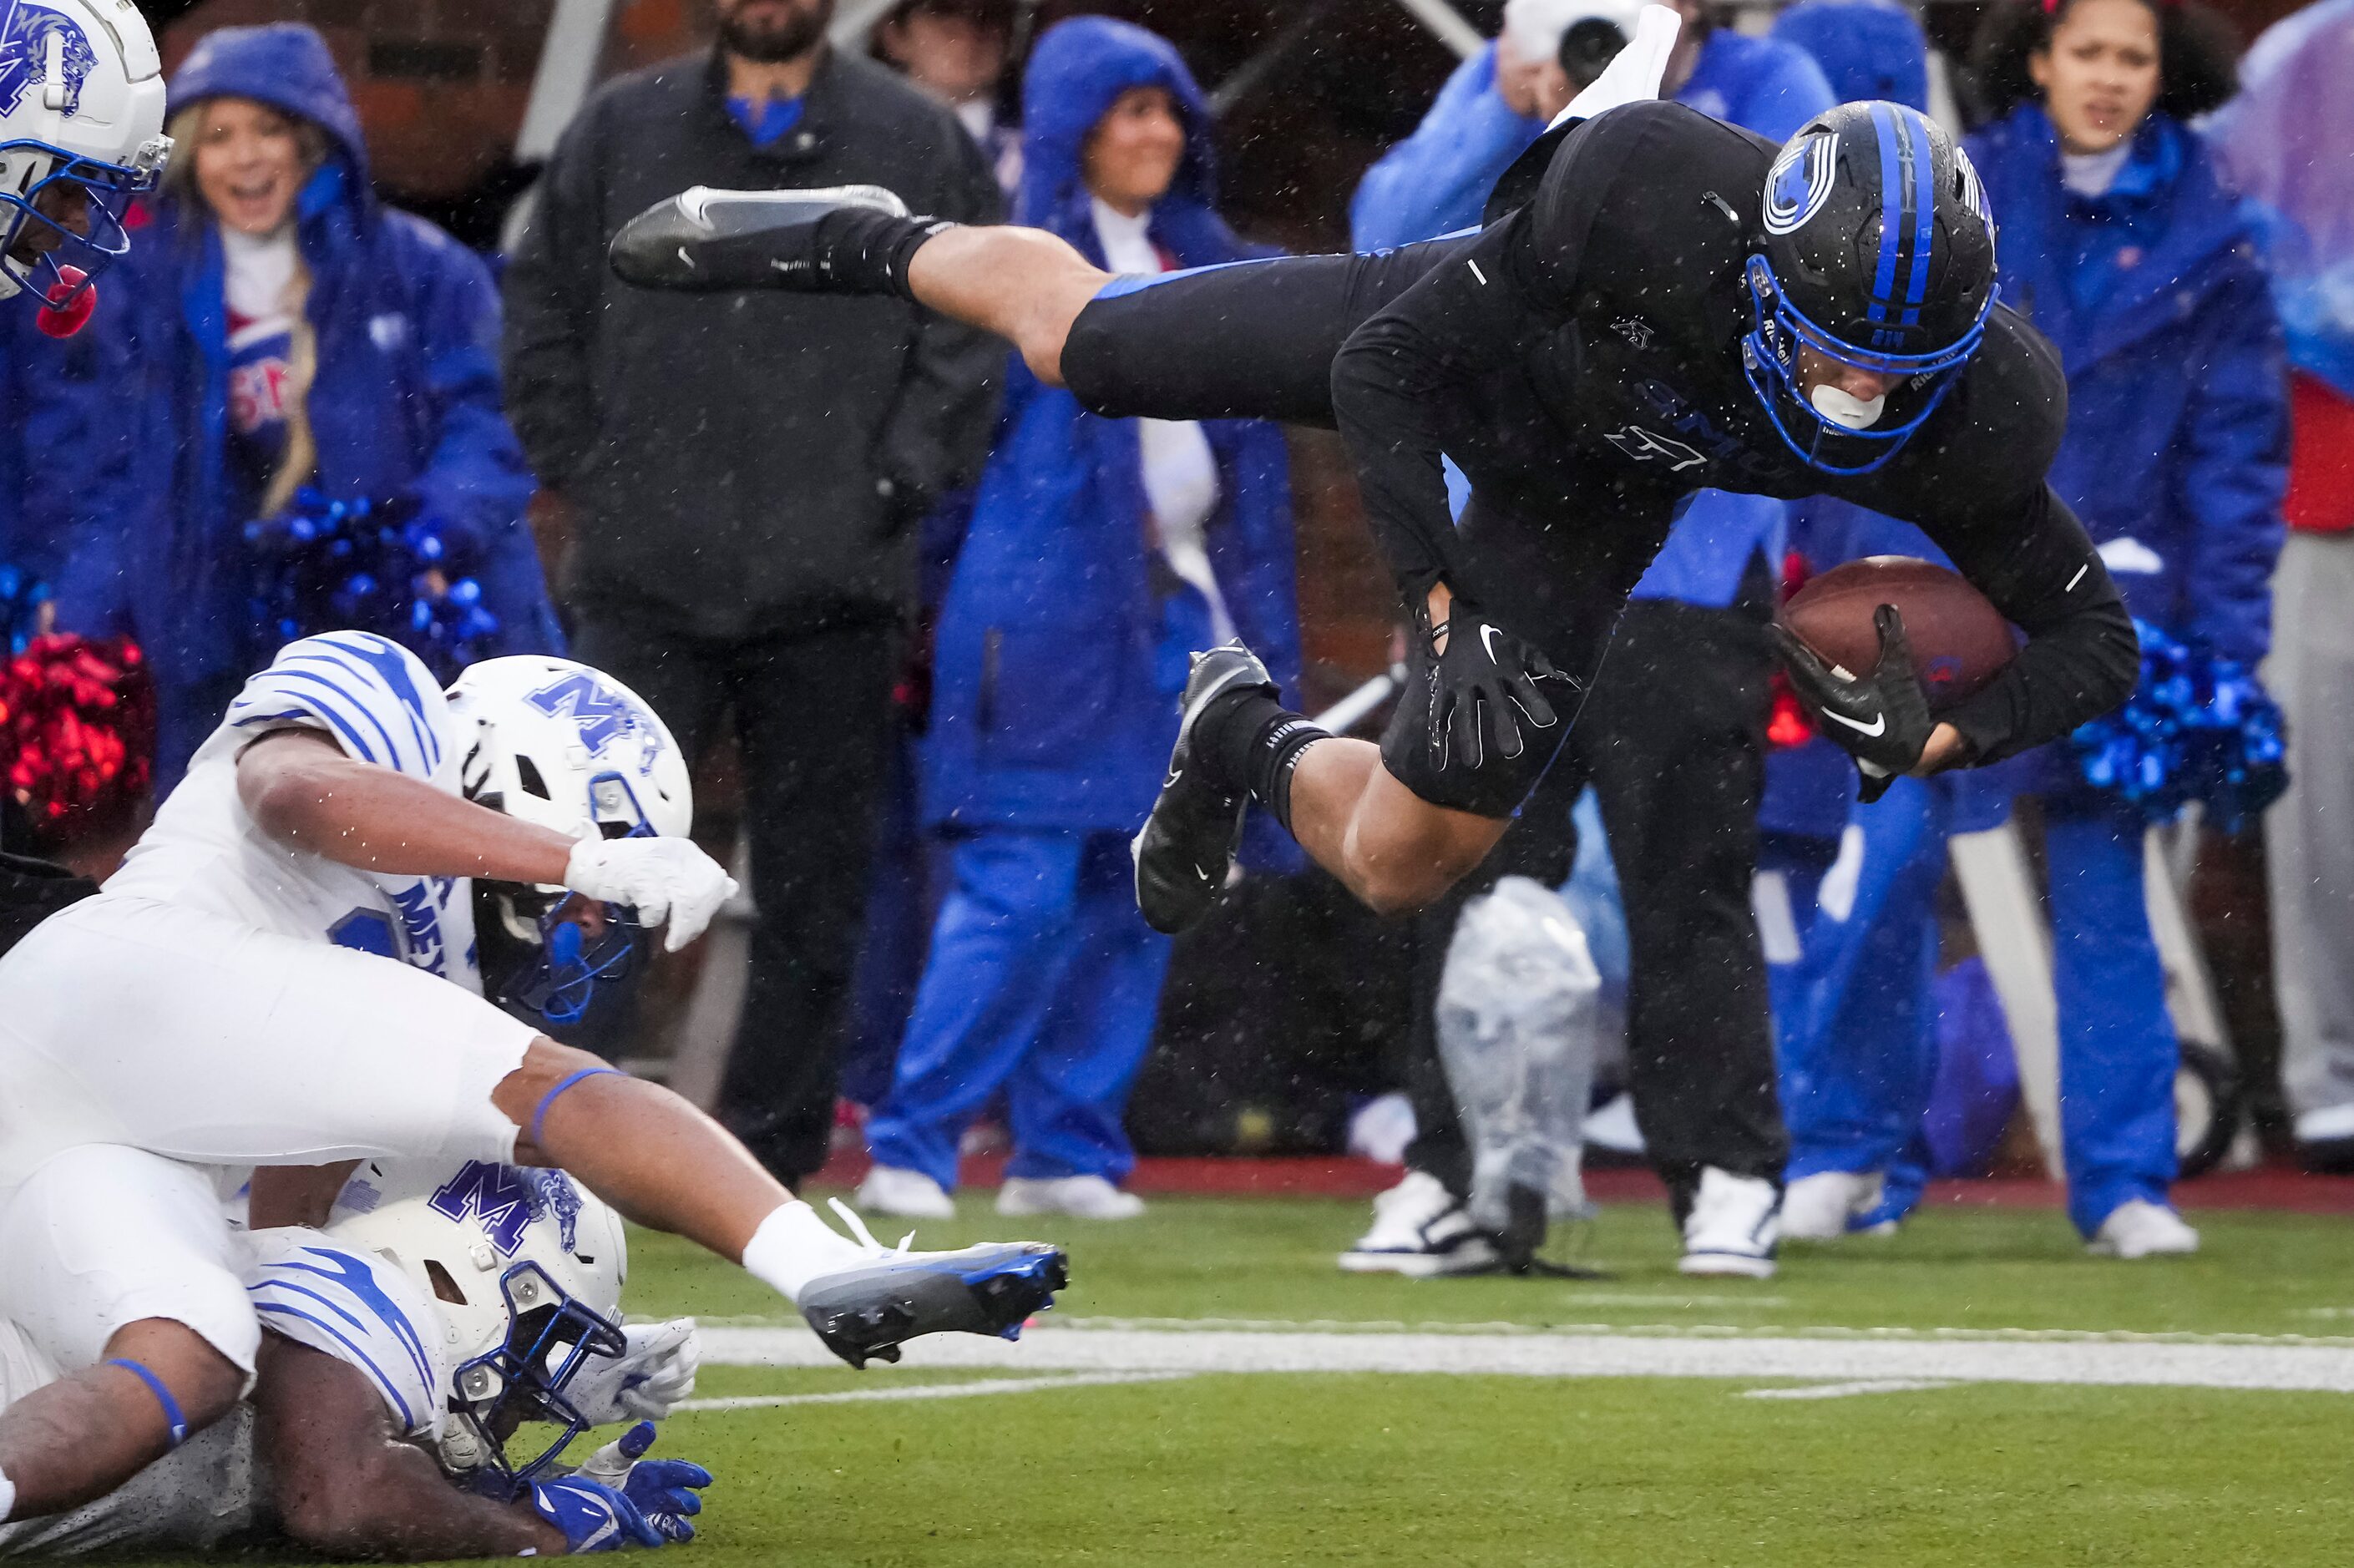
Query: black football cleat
{"type": "Point", "coordinates": [864, 1313]}
{"type": "Point", "coordinates": [1188, 843]}
{"type": "Point", "coordinates": [706, 240]}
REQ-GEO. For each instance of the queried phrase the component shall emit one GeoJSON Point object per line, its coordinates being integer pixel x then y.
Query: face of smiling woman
{"type": "Point", "coordinates": [250, 164]}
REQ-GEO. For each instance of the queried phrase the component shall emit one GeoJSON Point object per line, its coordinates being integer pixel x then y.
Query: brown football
{"type": "Point", "coordinates": [1960, 642]}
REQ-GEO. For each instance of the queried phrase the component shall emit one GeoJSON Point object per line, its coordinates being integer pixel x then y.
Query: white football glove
{"type": "Point", "coordinates": [644, 1382]}
{"type": "Point", "coordinates": [663, 879]}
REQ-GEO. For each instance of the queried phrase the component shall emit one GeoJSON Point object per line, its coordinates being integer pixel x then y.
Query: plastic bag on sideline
{"type": "Point", "coordinates": [1517, 1019]}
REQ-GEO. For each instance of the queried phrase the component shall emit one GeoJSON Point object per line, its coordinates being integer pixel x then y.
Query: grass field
{"type": "Point", "coordinates": [2191, 1412]}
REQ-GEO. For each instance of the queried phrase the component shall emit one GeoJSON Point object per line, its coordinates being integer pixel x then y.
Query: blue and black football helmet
{"type": "Point", "coordinates": [1878, 251]}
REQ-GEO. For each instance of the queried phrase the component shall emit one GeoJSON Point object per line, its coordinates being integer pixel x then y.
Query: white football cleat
{"type": "Point", "coordinates": [1823, 1206]}
{"type": "Point", "coordinates": [1080, 1197]}
{"type": "Point", "coordinates": [2139, 1228]}
{"type": "Point", "coordinates": [1421, 1230]}
{"type": "Point", "coordinates": [909, 1194]}
{"type": "Point", "coordinates": [1733, 1226]}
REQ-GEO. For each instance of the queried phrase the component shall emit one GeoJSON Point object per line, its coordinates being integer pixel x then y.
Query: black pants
{"type": "Point", "coordinates": [1672, 739]}
{"type": "Point", "coordinates": [812, 711]}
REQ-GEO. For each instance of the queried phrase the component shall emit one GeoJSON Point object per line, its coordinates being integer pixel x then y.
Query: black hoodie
{"type": "Point", "coordinates": [742, 462]}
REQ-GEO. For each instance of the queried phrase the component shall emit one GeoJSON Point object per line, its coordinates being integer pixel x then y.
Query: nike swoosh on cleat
{"type": "Point", "coordinates": [1876, 727]}
{"type": "Point", "coordinates": [1174, 775]}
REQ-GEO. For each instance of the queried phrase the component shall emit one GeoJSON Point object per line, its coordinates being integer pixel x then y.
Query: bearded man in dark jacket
{"type": "Point", "coordinates": [743, 472]}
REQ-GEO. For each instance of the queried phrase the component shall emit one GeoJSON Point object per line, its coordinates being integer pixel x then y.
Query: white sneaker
{"type": "Point", "coordinates": [910, 1194]}
{"type": "Point", "coordinates": [2139, 1228]}
{"type": "Point", "coordinates": [1081, 1197]}
{"type": "Point", "coordinates": [1733, 1226]}
{"type": "Point", "coordinates": [1820, 1207]}
{"type": "Point", "coordinates": [1420, 1229]}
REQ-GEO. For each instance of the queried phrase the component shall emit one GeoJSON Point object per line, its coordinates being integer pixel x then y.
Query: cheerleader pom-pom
{"type": "Point", "coordinates": [2196, 728]}
{"type": "Point", "coordinates": [78, 739]}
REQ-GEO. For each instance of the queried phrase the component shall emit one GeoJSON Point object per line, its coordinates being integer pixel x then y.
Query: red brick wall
{"type": "Point", "coordinates": [440, 84]}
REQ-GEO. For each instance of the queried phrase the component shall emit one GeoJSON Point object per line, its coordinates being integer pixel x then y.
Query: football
{"type": "Point", "coordinates": [1960, 642]}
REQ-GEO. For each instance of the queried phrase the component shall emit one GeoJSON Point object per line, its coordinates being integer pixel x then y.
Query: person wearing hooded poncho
{"type": "Point", "coordinates": [279, 329]}
{"type": "Point", "coordinates": [1100, 552]}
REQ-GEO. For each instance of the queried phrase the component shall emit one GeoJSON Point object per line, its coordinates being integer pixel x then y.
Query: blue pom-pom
{"type": "Point", "coordinates": [2197, 729]}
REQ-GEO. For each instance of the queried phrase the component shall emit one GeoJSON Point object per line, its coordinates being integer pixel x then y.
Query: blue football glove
{"type": "Point", "coordinates": [661, 1490]}
{"type": "Point", "coordinates": [593, 1516]}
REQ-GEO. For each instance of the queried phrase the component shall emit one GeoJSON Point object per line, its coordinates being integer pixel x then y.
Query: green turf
{"type": "Point", "coordinates": [1651, 1473]}
{"type": "Point", "coordinates": [1951, 1267]}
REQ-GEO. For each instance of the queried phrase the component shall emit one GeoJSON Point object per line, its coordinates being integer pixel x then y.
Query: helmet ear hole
{"type": "Point", "coordinates": [444, 1286]}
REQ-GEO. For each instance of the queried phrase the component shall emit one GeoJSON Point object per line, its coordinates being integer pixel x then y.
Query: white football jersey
{"type": "Point", "coordinates": [344, 1301]}
{"type": "Point", "coordinates": [377, 701]}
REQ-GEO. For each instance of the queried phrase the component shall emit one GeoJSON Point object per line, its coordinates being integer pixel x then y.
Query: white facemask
{"type": "Point", "coordinates": [1847, 412]}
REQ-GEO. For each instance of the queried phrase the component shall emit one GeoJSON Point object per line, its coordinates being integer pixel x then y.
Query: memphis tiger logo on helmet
{"type": "Point", "coordinates": [42, 48]}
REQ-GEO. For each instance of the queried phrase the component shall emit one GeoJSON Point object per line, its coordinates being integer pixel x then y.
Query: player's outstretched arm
{"type": "Point", "coordinates": [301, 790]}
{"type": "Point", "coordinates": [347, 1485]}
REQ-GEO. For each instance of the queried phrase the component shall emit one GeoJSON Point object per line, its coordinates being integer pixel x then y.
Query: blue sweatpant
{"type": "Point", "coordinates": [1042, 981]}
{"type": "Point", "coordinates": [1859, 1043]}
{"type": "Point", "coordinates": [1858, 1038]}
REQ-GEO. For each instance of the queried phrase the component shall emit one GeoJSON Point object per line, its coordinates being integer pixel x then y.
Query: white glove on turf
{"type": "Point", "coordinates": [646, 1380]}
{"type": "Point", "coordinates": [663, 879]}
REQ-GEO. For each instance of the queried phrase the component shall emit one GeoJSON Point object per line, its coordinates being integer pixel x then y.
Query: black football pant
{"type": "Point", "coordinates": [812, 713]}
{"type": "Point", "coordinates": [1672, 739]}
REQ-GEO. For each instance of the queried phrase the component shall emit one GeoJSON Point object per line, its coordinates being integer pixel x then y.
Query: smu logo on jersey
{"type": "Point", "coordinates": [602, 715]}
{"type": "Point", "coordinates": [31, 39]}
{"type": "Point", "coordinates": [506, 1200]}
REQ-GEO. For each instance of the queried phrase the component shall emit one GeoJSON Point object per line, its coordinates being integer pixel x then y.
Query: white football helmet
{"type": "Point", "coordinates": [81, 104]}
{"type": "Point", "coordinates": [555, 743]}
{"type": "Point", "coordinates": [525, 1269]}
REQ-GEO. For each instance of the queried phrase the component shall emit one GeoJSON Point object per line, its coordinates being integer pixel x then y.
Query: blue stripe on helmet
{"type": "Point", "coordinates": [1892, 221]}
{"type": "Point", "coordinates": [1924, 213]}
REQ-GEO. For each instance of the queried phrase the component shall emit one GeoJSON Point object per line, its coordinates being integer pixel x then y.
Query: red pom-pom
{"type": "Point", "coordinates": [77, 729]}
{"type": "Point", "coordinates": [71, 300]}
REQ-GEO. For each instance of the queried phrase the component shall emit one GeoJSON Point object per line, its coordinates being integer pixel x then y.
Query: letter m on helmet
{"type": "Point", "coordinates": [499, 1197]}
{"type": "Point", "coordinates": [602, 715]}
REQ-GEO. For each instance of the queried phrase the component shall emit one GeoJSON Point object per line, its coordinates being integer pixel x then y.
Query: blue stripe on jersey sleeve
{"type": "Point", "coordinates": [397, 670]}
{"type": "Point", "coordinates": [361, 686]}
{"type": "Point", "coordinates": [361, 1358]}
{"type": "Point", "coordinates": [386, 755]}
{"type": "Point", "coordinates": [356, 1276]}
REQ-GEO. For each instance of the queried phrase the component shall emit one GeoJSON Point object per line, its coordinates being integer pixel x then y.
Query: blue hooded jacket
{"type": "Point", "coordinates": [2177, 451]}
{"type": "Point", "coordinates": [1438, 181]}
{"type": "Point", "coordinates": [407, 400]}
{"type": "Point", "coordinates": [1062, 645]}
{"type": "Point", "coordinates": [1867, 48]}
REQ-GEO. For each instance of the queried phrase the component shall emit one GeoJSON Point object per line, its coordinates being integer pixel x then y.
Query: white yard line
{"type": "Point", "coordinates": [931, 1389]}
{"type": "Point", "coordinates": [1862, 1357]}
{"type": "Point", "coordinates": [1848, 1390]}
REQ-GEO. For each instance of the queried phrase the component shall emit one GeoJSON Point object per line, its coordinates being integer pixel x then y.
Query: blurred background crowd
{"type": "Point", "coordinates": [920, 620]}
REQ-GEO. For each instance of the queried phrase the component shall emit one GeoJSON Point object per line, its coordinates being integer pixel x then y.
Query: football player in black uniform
{"type": "Point", "coordinates": [1657, 303]}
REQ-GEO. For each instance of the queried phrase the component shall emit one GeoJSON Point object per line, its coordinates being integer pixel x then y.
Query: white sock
{"type": "Point", "coordinates": [793, 1246]}
{"type": "Point", "coordinates": [8, 1497]}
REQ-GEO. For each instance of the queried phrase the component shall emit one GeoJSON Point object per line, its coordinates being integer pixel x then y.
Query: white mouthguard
{"type": "Point", "coordinates": [1849, 413]}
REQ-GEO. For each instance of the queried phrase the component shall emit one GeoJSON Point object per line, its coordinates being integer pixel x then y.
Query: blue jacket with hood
{"type": "Point", "coordinates": [2177, 451]}
{"type": "Point", "coordinates": [407, 399]}
{"type": "Point", "coordinates": [1062, 645]}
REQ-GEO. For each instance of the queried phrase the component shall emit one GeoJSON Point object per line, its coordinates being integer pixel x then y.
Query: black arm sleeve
{"type": "Point", "coordinates": [1400, 388]}
{"type": "Point", "coordinates": [2082, 658]}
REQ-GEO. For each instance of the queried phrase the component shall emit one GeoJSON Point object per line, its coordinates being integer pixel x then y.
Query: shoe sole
{"type": "Point", "coordinates": [1414, 1265]}
{"type": "Point", "coordinates": [1725, 1265]}
{"type": "Point", "coordinates": [867, 1314]}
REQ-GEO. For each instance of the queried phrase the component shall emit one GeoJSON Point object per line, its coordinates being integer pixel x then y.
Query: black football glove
{"type": "Point", "coordinates": [1882, 720]}
{"type": "Point", "coordinates": [1483, 690]}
